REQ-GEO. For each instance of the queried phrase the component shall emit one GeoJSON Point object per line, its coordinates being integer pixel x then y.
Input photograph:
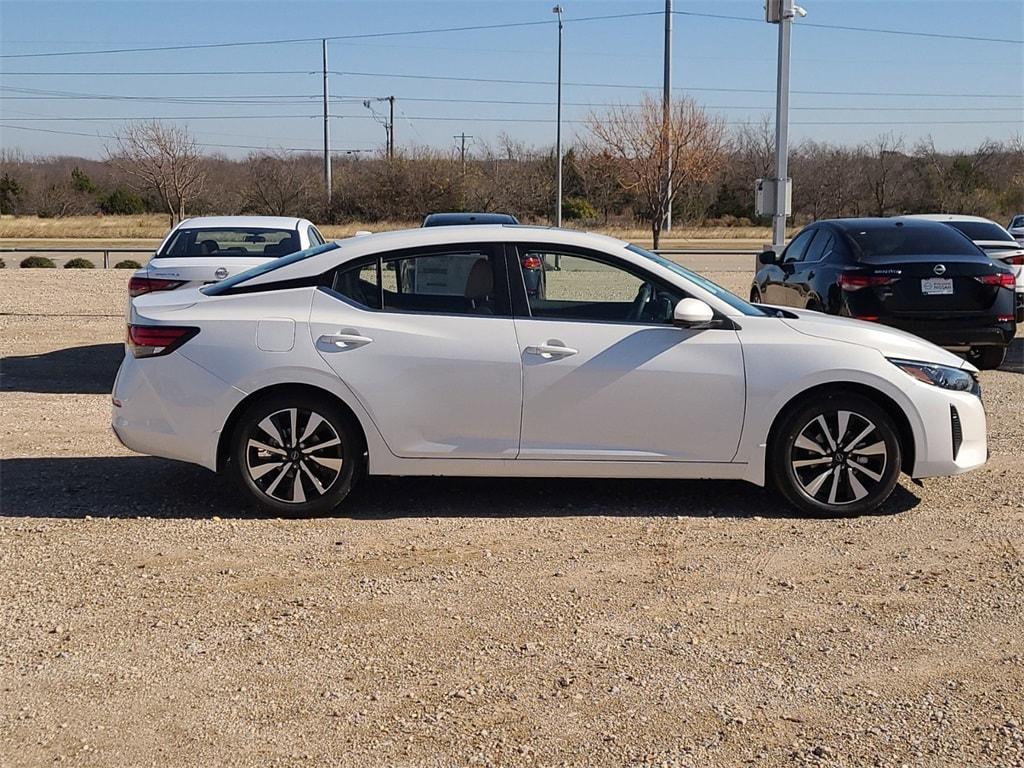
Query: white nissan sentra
{"type": "Point", "coordinates": [420, 352]}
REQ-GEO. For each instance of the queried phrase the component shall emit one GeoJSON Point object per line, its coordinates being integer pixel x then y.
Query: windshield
{"type": "Point", "coordinates": [981, 230]}
{"type": "Point", "coordinates": [717, 291]}
{"type": "Point", "coordinates": [1018, 221]}
{"type": "Point", "coordinates": [226, 285]}
{"type": "Point", "coordinates": [231, 241]}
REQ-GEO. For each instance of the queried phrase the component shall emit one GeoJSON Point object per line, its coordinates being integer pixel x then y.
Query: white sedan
{"type": "Point", "coordinates": [420, 352]}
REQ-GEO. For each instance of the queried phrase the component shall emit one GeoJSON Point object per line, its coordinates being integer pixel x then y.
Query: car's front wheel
{"type": "Point", "coordinates": [295, 454]}
{"type": "Point", "coordinates": [987, 358]}
{"type": "Point", "coordinates": [836, 455]}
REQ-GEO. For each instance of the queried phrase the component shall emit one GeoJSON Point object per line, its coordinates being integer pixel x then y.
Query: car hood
{"type": "Point", "coordinates": [889, 341]}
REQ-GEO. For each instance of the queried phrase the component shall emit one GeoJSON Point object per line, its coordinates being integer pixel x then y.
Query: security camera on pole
{"type": "Point", "coordinates": [775, 196]}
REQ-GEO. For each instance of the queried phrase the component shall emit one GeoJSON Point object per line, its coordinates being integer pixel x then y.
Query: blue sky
{"type": "Point", "coordinates": [970, 81]}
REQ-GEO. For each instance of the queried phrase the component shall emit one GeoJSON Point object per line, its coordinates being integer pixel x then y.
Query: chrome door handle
{"type": "Point", "coordinates": [551, 351]}
{"type": "Point", "coordinates": [345, 339]}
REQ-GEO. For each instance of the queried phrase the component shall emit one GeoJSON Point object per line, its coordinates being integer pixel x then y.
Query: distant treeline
{"type": "Point", "coordinates": [881, 177]}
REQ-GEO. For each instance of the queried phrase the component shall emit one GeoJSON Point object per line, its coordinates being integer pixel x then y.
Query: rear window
{"type": "Point", "coordinates": [225, 286]}
{"type": "Point", "coordinates": [981, 230]}
{"type": "Point", "coordinates": [902, 239]}
{"type": "Point", "coordinates": [240, 241]}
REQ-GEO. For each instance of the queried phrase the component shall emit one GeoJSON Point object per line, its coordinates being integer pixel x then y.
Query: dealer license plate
{"type": "Point", "coordinates": [937, 286]}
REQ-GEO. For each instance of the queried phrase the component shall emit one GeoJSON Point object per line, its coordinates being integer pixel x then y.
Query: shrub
{"type": "Point", "coordinates": [37, 262]}
{"type": "Point", "coordinates": [128, 264]}
{"type": "Point", "coordinates": [79, 264]}
{"type": "Point", "coordinates": [574, 208]}
{"type": "Point", "coordinates": [122, 201]}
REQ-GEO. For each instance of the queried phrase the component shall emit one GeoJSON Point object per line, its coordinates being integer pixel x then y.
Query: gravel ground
{"type": "Point", "coordinates": [147, 618]}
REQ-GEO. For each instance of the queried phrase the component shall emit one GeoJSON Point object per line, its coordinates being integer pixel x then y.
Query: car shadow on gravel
{"type": "Point", "coordinates": [88, 370]}
{"type": "Point", "coordinates": [135, 486]}
{"type": "Point", "coordinates": [1014, 360]}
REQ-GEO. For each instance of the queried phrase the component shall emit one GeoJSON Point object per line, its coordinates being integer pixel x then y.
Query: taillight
{"type": "Point", "coordinates": [1015, 260]}
{"type": "Point", "coordinates": [1000, 279]}
{"type": "Point", "coordinates": [531, 262]}
{"type": "Point", "coordinates": [156, 340]}
{"type": "Point", "coordinates": [850, 282]}
{"type": "Point", "coordinates": [140, 285]}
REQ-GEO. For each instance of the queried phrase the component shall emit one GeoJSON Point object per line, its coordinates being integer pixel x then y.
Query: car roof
{"type": "Point", "coordinates": [877, 222]}
{"type": "Point", "coordinates": [466, 218]}
{"type": "Point", "coordinates": [269, 222]}
{"type": "Point", "coordinates": [947, 217]}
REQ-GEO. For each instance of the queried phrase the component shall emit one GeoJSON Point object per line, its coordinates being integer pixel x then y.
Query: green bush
{"type": "Point", "coordinates": [37, 262]}
{"type": "Point", "coordinates": [128, 264]}
{"type": "Point", "coordinates": [122, 201]}
{"type": "Point", "coordinates": [79, 264]}
{"type": "Point", "coordinates": [574, 208]}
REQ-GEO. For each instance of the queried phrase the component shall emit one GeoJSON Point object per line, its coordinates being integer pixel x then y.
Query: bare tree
{"type": "Point", "coordinates": [279, 185]}
{"type": "Point", "coordinates": [884, 172]}
{"type": "Point", "coordinates": [637, 138]}
{"type": "Point", "coordinates": [163, 158]}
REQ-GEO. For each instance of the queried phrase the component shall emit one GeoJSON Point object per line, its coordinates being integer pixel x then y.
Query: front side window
{"type": "Point", "coordinates": [231, 241]}
{"type": "Point", "coordinates": [569, 286]}
{"type": "Point", "coordinates": [821, 247]}
{"type": "Point", "coordinates": [796, 249]}
{"type": "Point", "coordinates": [458, 282]}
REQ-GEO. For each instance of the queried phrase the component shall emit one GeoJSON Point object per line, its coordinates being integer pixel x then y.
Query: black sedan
{"type": "Point", "coordinates": [920, 276]}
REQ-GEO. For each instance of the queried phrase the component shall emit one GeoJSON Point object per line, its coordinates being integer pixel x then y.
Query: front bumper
{"type": "Point", "coordinates": [955, 433]}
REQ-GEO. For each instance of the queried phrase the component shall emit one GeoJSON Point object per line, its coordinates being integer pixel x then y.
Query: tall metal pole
{"type": "Point", "coordinates": [391, 129]}
{"type": "Point", "coordinates": [787, 10]}
{"type": "Point", "coordinates": [558, 124]}
{"type": "Point", "coordinates": [327, 131]}
{"type": "Point", "coordinates": [667, 110]}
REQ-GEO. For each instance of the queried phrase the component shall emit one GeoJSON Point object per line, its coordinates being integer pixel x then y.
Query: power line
{"type": "Point", "coordinates": [201, 144]}
{"type": "Point", "coordinates": [289, 41]}
{"type": "Point", "coordinates": [847, 28]}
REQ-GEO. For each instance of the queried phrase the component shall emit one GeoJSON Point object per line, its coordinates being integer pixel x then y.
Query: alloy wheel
{"type": "Point", "coordinates": [839, 457]}
{"type": "Point", "coordinates": [294, 455]}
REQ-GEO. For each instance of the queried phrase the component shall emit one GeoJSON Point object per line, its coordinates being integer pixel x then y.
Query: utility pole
{"type": "Point", "coordinates": [327, 131]}
{"type": "Point", "coordinates": [781, 12]}
{"type": "Point", "coordinates": [666, 100]}
{"type": "Point", "coordinates": [462, 151]}
{"type": "Point", "coordinates": [558, 124]}
{"type": "Point", "coordinates": [391, 129]}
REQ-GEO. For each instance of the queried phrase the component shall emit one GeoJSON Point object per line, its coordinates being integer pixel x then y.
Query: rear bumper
{"type": "Point", "coordinates": [957, 334]}
{"type": "Point", "coordinates": [171, 407]}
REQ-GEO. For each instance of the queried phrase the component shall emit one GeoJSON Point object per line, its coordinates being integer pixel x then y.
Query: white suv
{"type": "Point", "coordinates": [210, 248]}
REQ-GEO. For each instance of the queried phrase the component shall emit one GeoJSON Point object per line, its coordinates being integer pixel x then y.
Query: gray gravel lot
{"type": "Point", "coordinates": [148, 618]}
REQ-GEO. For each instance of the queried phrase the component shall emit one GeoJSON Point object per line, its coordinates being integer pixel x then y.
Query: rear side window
{"type": "Point", "coordinates": [466, 281]}
{"type": "Point", "coordinates": [315, 238]}
{"type": "Point", "coordinates": [233, 284]}
{"type": "Point", "coordinates": [899, 239]}
{"type": "Point", "coordinates": [822, 246]}
{"type": "Point", "coordinates": [255, 241]}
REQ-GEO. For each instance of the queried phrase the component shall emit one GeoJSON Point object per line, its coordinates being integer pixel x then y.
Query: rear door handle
{"type": "Point", "coordinates": [345, 340]}
{"type": "Point", "coordinates": [551, 351]}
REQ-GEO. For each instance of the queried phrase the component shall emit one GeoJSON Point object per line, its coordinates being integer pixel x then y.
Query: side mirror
{"type": "Point", "coordinates": [767, 257]}
{"type": "Point", "coordinates": [692, 313]}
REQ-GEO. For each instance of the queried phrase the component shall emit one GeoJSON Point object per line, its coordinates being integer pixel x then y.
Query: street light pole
{"type": "Point", "coordinates": [667, 110]}
{"type": "Point", "coordinates": [327, 131]}
{"type": "Point", "coordinates": [783, 16]}
{"type": "Point", "coordinates": [558, 124]}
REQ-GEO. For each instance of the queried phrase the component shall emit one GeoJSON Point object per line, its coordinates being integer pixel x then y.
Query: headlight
{"type": "Point", "coordinates": [942, 376]}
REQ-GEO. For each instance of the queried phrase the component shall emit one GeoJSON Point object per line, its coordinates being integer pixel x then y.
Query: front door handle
{"type": "Point", "coordinates": [551, 351]}
{"type": "Point", "coordinates": [344, 340]}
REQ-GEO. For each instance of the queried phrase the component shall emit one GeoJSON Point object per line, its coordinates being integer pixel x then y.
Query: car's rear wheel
{"type": "Point", "coordinates": [296, 454]}
{"type": "Point", "coordinates": [835, 456]}
{"type": "Point", "coordinates": [755, 296]}
{"type": "Point", "coordinates": [987, 358]}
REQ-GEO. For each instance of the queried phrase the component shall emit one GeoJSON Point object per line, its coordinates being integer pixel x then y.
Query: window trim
{"type": "Point", "coordinates": [521, 301]}
{"type": "Point", "coordinates": [493, 250]}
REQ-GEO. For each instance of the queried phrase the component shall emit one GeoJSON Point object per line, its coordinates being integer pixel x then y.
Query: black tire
{"type": "Point", "coordinates": [987, 358]}
{"type": "Point", "coordinates": [814, 476]}
{"type": "Point", "coordinates": [293, 477]}
{"type": "Point", "coordinates": [755, 296]}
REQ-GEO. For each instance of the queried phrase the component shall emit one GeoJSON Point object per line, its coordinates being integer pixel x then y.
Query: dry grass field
{"type": "Point", "coordinates": [148, 618]}
{"type": "Point", "coordinates": [148, 230]}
